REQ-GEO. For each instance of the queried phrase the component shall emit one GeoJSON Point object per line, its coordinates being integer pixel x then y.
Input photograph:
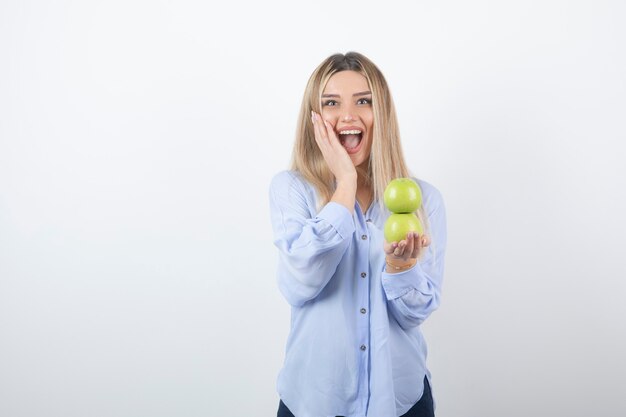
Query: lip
{"type": "Point", "coordinates": [350, 128]}
{"type": "Point", "coordinates": [358, 148]}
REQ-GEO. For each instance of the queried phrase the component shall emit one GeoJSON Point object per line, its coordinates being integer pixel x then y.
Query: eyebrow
{"type": "Point", "coordinates": [362, 93]}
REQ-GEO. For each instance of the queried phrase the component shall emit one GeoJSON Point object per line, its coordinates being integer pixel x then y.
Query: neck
{"type": "Point", "coordinates": [364, 196]}
{"type": "Point", "coordinates": [364, 187]}
{"type": "Point", "coordinates": [363, 178]}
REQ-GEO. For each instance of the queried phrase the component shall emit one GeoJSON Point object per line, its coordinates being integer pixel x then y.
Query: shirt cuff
{"type": "Point", "coordinates": [398, 284]}
{"type": "Point", "coordinates": [339, 218]}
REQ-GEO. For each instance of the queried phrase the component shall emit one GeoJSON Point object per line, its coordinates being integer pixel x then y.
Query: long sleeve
{"type": "Point", "coordinates": [310, 244]}
{"type": "Point", "coordinates": [414, 294]}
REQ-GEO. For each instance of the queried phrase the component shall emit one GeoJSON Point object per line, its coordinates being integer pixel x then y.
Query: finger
{"type": "Point", "coordinates": [425, 240]}
{"type": "Point", "coordinates": [316, 127]}
{"type": "Point", "coordinates": [417, 248]}
{"type": "Point", "coordinates": [399, 250]}
{"type": "Point", "coordinates": [322, 127]}
{"type": "Point", "coordinates": [330, 134]}
{"type": "Point", "coordinates": [410, 245]}
{"type": "Point", "coordinates": [333, 140]}
{"type": "Point", "coordinates": [389, 247]}
{"type": "Point", "coordinates": [320, 137]}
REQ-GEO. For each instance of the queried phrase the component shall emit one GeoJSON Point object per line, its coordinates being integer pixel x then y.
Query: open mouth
{"type": "Point", "coordinates": [351, 139]}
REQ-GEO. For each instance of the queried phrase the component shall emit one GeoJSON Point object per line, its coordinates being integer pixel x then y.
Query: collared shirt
{"type": "Point", "coordinates": [355, 347]}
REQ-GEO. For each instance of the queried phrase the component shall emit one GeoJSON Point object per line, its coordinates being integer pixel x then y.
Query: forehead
{"type": "Point", "coordinates": [346, 82]}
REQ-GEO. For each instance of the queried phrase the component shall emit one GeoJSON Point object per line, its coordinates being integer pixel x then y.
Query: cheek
{"type": "Point", "coordinates": [370, 141]}
{"type": "Point", "coordinates": [368, 119]}
{"type": "Point", "coordinates": [369, 124]}
{"type": "Point", "coordinates": [329, 115]}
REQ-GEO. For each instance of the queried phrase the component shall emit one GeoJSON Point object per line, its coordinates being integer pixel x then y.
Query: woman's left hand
{"type": "Point", "coordinates": [407, 250]}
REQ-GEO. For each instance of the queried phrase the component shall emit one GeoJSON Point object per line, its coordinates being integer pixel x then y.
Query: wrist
{"type": "Point", "coordinates": [399, 265]}
{"type": "Point", "coordinates": [345, 193]}
{"type": "Point", "coordinates": [347, 181]}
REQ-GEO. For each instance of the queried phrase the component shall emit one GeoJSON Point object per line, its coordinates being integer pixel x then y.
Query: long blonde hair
{"type": "Point", "coordinates": [386, 160]}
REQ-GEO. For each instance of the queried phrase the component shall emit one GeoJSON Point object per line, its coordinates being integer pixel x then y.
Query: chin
{"type": "Point", "coordinates": [360, 162]}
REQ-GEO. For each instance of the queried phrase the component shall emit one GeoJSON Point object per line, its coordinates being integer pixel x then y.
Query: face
{"type": "Point", "coordinates": [347, 105]}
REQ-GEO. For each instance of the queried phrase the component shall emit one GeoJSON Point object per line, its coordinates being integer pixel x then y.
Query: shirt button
{"type": "Point", "coordinates": [363, 237]}
{"type": "Point", "coordinates": [368, 220]}
{"type": "Point", "coordinates": [363, 347]}
{"type": "Point", "coordinates": [363, 311]}
{"type": "Point", "coordinates": [363, 274]}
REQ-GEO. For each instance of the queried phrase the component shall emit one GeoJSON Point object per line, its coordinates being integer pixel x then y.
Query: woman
{"type": "Point", "coordinates": [355, 347]}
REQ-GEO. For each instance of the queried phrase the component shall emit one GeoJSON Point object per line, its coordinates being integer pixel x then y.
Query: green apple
{"type": "Point", "coordinates": [402, 195]}
{"type": "Point", "coordinates": [399, 224]}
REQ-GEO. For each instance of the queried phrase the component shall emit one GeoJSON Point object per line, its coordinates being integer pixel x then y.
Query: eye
{"type": "Point", "coordinates": [330, 103]}
{"type": "Point", "coordinates": [364, 101]}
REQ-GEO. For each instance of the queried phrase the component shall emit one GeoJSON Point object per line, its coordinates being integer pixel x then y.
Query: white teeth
{"type": "Point", "coordinates": [350, 132]}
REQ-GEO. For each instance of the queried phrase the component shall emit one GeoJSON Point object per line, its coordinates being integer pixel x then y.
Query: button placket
{"type": "Point", "coordinates": [363, 296]}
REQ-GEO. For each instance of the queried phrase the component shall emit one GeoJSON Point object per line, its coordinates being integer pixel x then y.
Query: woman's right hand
{"type": "Point", "coordinates": [334, 153]}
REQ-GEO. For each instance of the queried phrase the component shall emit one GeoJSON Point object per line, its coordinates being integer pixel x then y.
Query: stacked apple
{"type": "Point", "coordinates": [402, 198]}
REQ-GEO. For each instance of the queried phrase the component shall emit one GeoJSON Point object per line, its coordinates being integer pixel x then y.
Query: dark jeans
{"type": "Point", "coordinates": [423, 408]}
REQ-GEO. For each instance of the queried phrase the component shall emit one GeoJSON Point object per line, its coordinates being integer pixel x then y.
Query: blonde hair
{"type": "Point", "coordinates": [386, 160]}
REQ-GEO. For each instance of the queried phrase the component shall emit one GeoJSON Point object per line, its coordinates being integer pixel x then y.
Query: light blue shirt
{"type": "Point", "coordinates": [355, 347]}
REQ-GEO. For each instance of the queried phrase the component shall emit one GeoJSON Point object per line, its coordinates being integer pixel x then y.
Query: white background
{"type": "Point", "coordinates": [137, 142]}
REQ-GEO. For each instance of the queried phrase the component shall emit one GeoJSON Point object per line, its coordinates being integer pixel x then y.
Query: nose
{"type": "Point", "coordinates": [348, 112]}
{"type": "Point", "coordinates": [348, 117]}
